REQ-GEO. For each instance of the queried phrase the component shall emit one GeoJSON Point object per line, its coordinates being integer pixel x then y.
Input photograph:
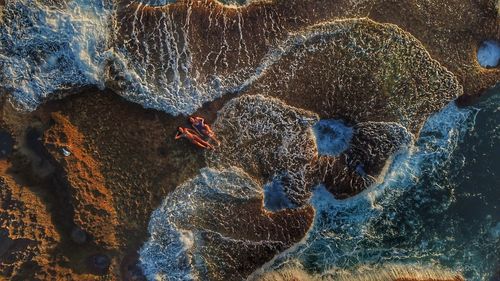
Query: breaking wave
{"type": "Point", "coordinates": [46, 49]}
{"type": "Point", "coordinates": [414, 217]}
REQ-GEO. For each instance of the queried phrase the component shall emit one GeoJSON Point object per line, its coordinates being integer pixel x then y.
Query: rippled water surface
{"type": "Point", "coordinates": [438, 205]}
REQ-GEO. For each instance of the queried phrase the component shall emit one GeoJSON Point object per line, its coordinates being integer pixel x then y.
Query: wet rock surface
{"type": "Point", "coordinates": [95, 164]}
{"type": "Point", "coordinates": [359, 71]}
{"type": "Point", "coordinates": [202, 219]}
{"type": "Point", "coordinates": [270, 141]}
{"type": "Point", "coordinates": [371, 149]}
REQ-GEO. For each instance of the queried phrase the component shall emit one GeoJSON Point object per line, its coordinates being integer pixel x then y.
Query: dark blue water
{"type": "Point", "coordinates": [437, 207]}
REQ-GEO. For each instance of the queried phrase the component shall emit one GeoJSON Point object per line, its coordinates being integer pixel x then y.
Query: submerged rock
{"type": "Point", "coordinates": [99, 264]}
{"type": "Point", "coordinates": [268, 140]}
{"type": "Point", "coordinates": [372, 148]}
{"type": "Point", "coordinates": [215, 227]}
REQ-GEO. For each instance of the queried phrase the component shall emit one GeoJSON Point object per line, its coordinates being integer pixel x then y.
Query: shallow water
{"type": "Point", "coordinates": [438, 205]}
{"type": "Point", "coordinates": [332, 136]}
{"type": "Point", "coordinates": [488, 54]}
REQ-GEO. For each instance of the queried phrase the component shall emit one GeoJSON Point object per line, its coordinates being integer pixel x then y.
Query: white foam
{"type": "Point", "coordinates": [44, 50]}
{"type": "Point", "coordinates": [172, 251]}
{"type": "Point", "coordinates": [332, 137]}
{"type": "Point", "coordinates": [488, 54]}
{"type": "Point", "coordinates": [344, 232]}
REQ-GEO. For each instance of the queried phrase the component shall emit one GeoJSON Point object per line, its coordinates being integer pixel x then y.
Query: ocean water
{"type": "Point", "coordinates": [438, 206]}
{"type": "Point", "coordinates": [45, 50]}
{"type": "Point", "coordinates": [488, 54]}
{"type": "Point", "coordinates": [332, 136]}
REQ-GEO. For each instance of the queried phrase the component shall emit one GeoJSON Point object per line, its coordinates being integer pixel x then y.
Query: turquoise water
{"type": "Point", "coordinates": [438, 205]}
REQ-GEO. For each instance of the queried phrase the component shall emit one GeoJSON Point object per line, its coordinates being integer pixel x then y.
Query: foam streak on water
{"type": "Point", "coordinates": [46, 49]}
{"type": "Point", "coordinates": [402, 220]}
{"type": "Point", "coordinates": [50, 50]}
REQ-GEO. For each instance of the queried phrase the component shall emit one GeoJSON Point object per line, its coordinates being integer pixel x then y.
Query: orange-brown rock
{"type": "Point", "coordinates": [215, 227]}
{"type": "Point", "coordinates": [93, 204]}
{"type": "Point", "coordinates": [127, 151]}
{"type": "Point", "coordinates": [29, 239]}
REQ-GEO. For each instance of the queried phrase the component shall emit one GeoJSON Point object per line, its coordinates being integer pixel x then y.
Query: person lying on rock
{"type": "Point", "coordinates": [193, 137]}
{"type": "Point", "coordinates": [202, 128]}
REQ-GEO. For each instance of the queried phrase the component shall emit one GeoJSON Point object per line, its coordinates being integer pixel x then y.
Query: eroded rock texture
{"type": "Point", "coordinates": [359, 71]}
{"type": "Point", "coordinates": [269, 140]}
{"type": "Point", "coordinates": [215, 227]}
{"type": "Point", "coordinates": [287, 63]}
{"type": "Point", "coordinates": [93, 204]}
{"type": "Point", "coordinates": [100, 193]}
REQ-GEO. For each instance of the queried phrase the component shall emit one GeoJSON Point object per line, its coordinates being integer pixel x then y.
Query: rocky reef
{"type": "Point", "coordinates": [201, 221]}
{"type": "Point", "coordinates": [270, 141]}
{"type": "Point", "coordinates": [93, 184]}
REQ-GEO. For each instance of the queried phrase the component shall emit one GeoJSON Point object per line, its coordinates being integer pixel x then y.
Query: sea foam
{"type": "Point", "coordinates": [488, 54]}
{"type": "Point", "coordinates": [44, 50]}
{"type": "Point", "coordinates": [400, 220]}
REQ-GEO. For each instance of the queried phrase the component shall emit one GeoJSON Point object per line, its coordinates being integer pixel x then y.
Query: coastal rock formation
{"type": "Point", "coordinates": [26, 243]}
{"type": "Point", "coordinates": [452, 32]}
{"type": "Point", "coordinates": [79, 186]}
{"type": "Point", "coordinates": [358, 70]}
{"type": "Point", "coordinates": [92, 201]}
{"type": "Point", "coordinates": [127, 171]}
{"type": "Point", "coordinates": [197, 232]}
{"type": "Point", "coordinates": [270, 141]}
{"type": "Point", "coordinates": [28, 237]}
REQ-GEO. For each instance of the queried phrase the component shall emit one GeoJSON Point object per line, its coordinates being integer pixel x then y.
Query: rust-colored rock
{"type": "Point", "coordinates": [93, 205]}
{"type": "Point", "coordinates": [215, 227]}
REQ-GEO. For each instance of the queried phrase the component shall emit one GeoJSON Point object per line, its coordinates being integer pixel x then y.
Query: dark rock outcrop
{"type": "Point", "coordinates": [372, 148]}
